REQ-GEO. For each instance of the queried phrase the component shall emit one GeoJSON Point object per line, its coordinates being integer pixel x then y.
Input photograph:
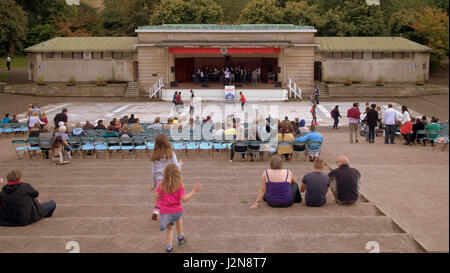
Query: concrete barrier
{"type": "Point", "coordinates": [2, 87]}
{"type": "Point", "coordinates": [370, 90]}
{"type": "Point", "coordinates": [62, 90]}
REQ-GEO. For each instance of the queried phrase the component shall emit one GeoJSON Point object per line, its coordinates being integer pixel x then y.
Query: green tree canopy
{"type": "Point", "coordinates": [187, 12]}
{"type": "Point", "coordinates": [301, 13]}
{"type": "Point", "coordinates": [262, 12]}
{"type": "Point", "coordinates": [13, 25]}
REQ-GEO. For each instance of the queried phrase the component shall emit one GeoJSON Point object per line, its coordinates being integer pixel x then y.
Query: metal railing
{"type": "Point", "coordinates": [154, 90]}
{"type": "Point", "coordinates": [293, 89]}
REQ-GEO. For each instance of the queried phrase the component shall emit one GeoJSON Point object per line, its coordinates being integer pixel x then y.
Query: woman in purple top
{"type": "Point", "coordinates": [279, 186]}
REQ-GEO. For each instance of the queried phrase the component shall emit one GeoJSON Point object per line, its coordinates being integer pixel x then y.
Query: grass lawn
{"type": "Point", "coordinates": [18, 61]}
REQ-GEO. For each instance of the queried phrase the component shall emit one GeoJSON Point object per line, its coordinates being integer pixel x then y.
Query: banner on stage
{"type": "Point", "coordinates": [229, 92]}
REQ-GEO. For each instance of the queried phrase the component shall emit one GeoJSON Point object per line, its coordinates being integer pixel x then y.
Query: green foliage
{"type": "Point", "coordinates": [400, 23]}
{"type": "Point", "coordinates": [187, 12]}
{"type": "Point", "coordinates": [300, 13]}
{"type": "Point", "coordinates": [232, 10]}
{"type": "Point", "coordinates": [262, 12]}
{"type": "Point", "coordinates": [431, 29]}
{"type": "Point", "coordinates": [40, 33]}
{"type": "Point", "coordinates": [13, 24]}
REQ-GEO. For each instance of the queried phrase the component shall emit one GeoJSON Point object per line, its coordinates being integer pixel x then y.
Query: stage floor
{"type": "Point", "coordinates": [218, 85]}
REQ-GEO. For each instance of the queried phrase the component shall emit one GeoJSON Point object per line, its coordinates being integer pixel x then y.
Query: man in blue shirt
{"type": "Point", "coordinates": [312, 136]}
{"type": "Point", "coordinates": [6, 119]}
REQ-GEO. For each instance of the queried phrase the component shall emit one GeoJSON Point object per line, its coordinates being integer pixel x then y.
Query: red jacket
{"type": "Point", "coordinates": [353, 113]}
{"type": "Point", "coordinates": [242, 98]}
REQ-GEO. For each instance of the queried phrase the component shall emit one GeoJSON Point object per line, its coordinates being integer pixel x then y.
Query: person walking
{"type": "Point", "coordinates": [242, 100]}
{"type": "Point", "coordinates": [335, 115]}
{"type": "Point", "coordinates": [8, 63]}
{"type": "Point", "coordinates": [254, 78]}
{"type": "Point", "coordinates": [353, 115]}
{"type": "Point", "coordinates": [390, 120]}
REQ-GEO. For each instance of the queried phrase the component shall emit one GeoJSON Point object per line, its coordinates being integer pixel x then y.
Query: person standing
{"type": "Point", "coordinates": [61, 117]}
{"type": "Point", "coordinates": [335, 115]}
{"type": "Point", "coordinates": [390, 120]}
{"type": "Point", "coordinates": [8, 63]}
{"type": "Point", "coordinates": [242, 100]}
{"type": "Point", "coordinates": [254, 78]}
{"type": "Point", "coordinates": [314, 115]}
{"type": "Point", "coordinates": [353, 115]}
{"type": "Point", "coordinates": [372, 120]}
{"type": "Point", "coordinates": [192, 104]}
{"type": "Point", "coordinates": [316, 94]}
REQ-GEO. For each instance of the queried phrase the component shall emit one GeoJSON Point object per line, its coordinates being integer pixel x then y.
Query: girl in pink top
{"type": "Point", "coordinates": [169, 195]}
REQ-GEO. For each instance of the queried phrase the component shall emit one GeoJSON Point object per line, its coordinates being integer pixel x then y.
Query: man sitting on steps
{"type": "Point", "coordinates": [345, 182]}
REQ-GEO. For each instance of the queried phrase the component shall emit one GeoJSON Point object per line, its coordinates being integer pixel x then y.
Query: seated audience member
{"type": "Point", "coordinates": [418, 125]}
{"type": "Point", "coordinates": [88, 126]}
{"type": "Point", "coordinates": [424, 120]}
{"type": "Point", "coordinates": [45, 134]}
{"type": "Point", "coordinates": [132, 119]}
{"type": "Point", "coordinates": [100, 125]}
{"type": "Point", "coordinates": [433, 126]}
{"type": "Point", "coordinates": [316, 185]}
{"type": "Point", "coordinates": [62, 133]}
{"type": "Point", "coordinates": [296, 125]}
{"type": "Point", "coordinates": [302, 127]}
{"type": "Point", "coordinates": [35, 108]}
{"type": "Point", "coordinates": [168, 125]}
{"type": "Point", "coordinates": [78, 131]}
{"type": "Point", "coordinates": [116, 124]}
{"type": "Point", "coordinates": [6, 119]}
{"type": "Point", "coordinates": [60, 155]}
{"type": "Point", "coordinates": [125, 132]}
{"type": "Point", "coordinates": [34, 119]}
{"type": "Point", "coordinates": [35, 131]}
{"type": "Point", "coordinates": [136, 127]}
{"type": "Point", "coordinates": [156, 125]}
{"type": "Point", "coordinates": [285, 136]}
{"type": "Point", "coordinates": [113, 124]}
{"type": "Point", "coordinates": [197, 121]}
{"type": "Point", "coordinates": [124, 120]}
{"type": "Point", "coordinates": [279, 186]}
{"type": "Point", "coordinates": [44, 118]}
{"type": "Point", "coordinates": [217, 133]}
{"type": "Point", "coordinates": [14, 119]}
{"type": "Point", "coordinates": [344, 182]}
{"type": "Point", "coordinates": [207, 119]}
{"type": "Point", "coordinates": [312, 136]}
{"type": "Point", "coordinates": [111, 131]}
{"type": "Point", "coordinates": [19, 203]}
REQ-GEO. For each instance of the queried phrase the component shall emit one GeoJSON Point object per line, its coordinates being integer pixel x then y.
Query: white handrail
{"type": "Point", "coordinates": [293, 89]}
{"type": "Point", "coordinates": [153, 91]}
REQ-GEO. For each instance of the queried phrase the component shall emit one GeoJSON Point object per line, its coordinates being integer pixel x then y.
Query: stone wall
{"type": "Point", "coordinates": [62, 90]}
{"type": "Point", "coordinates": [370, 90]}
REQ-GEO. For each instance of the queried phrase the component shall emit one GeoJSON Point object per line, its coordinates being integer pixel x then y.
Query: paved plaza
{"type": "Point", "coordinates": [147, 111]}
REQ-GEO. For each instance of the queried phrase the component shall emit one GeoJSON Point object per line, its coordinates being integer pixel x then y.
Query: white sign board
{"type": "Point", "coordinates": [229, 93]}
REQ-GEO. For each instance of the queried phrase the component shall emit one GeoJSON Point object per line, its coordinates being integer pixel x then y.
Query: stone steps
{"type": "Point", "coordinates": [216, 243]}
{"type": "Point", "coordinates": [132, 89]}
{"type": "Point", "coordinates": [105, 205]}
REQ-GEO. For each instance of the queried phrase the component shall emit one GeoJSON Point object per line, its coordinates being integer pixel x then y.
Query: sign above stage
{"type": "Point", "coordinates": [229, 50]}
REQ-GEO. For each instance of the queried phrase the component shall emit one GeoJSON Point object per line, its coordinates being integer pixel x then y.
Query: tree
{"type": "Point", "coordinates": [231, 9]}
{"type": "Point", "coordinates": [331, 24]}
{"type": "Point", "coordinates": [261, 12]}
{"type": "Point", "coordinates": [40, 33]}
{"type": "Point", "coordinates": [111, 19]}
{"type": "Point", "coordinates": [431, 29]}
{"type": "Point", "coordinates": [13, 25]}
{"type": "Point", "coordinates": [136, 13]}
{"type": "Point", "coordinates": [83, 24]}
{"type": "Point", "coordinates": [300, 13]}
{"type": "Point", "coordinates": [400, 23]}
{"type": "Point", "coordinates": [187, 12]}
{"type": "Point", "coordinates": [367, 20]}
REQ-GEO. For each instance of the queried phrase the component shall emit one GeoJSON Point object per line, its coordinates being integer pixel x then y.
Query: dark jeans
{"type": "Point", "coordinates": [50, 207]}
{"type": "Point", "coordinates": [371, 133]}
{"type": "Point", "coordinates": [296, 198]}
{"type": "Point", "coordinates": [316, 98]}
{"type": "Point", "coordinates": [389, 133]}
{"type": "Point", "coordinates": [242, 105]}
{"type": "Point", "coordinates": [232, 152]}
{"type": "Point", "coordinates": [8, 64]}
{"type": "Point", "coordinates": [336, 123]}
